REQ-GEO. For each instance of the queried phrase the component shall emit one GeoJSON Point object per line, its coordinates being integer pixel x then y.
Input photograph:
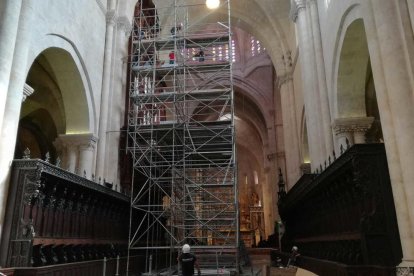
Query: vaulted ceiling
{"type": "Point", "coordinates": [267, 20]}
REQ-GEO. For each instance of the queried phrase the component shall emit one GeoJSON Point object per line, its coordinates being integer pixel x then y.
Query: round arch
{"type": "Point", "coordinates": [37, 131]}
{"type": "Point", "coordinates": [352, 72]}
{"type": "Point", "coordinates": [350, 63]}
{"type": "Point", "coordinates": [253, 110]}
{"type": "Point", "coordinates": [69, 72]}
{"type": "Point", "coordinates": [245, 14]}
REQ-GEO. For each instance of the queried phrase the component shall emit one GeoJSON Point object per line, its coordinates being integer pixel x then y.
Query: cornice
{"type": "Point", "coordinates": [84, 140]}
{"type": "Point", "coordinates": [357, 124]}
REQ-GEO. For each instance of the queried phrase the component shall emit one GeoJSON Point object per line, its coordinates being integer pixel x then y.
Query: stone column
{"type": "Point", "coordinates": [67, 145]}
{"type": "Point", "coordinates": [344, 137]}
{"type": "Point", "coordinates": [71, 157]}
{"type": "Point", "coordinates": [315, 134]}
{"type": "Point", "coordinates": [9, 22]}
{"type": "Point", "coordinates": [78, 150]}
{"type": "Point", "coordinates": [320, 71]}
{"type": "Point", "coordinates": [267, 201]}
{"type": "Point", "coordinates": [117, 107]}
{"type": "Point", "coordinates": [106, 90]}
{"type": "Point", "coordinates": [391, 56]}
{"type": "Point", "coordinates": [14, 97]}
{"type": "Point", "coordinates": [410, 4]}
{"type": "Point", "coordinates": [290, 129]}
{"type": "Point", "coordinates": [86, 154]}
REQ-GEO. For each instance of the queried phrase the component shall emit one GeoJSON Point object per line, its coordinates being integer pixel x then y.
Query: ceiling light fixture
{"type": "Point", "coordinates": [212, 4]}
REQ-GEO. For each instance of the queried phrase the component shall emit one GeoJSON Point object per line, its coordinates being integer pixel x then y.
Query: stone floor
{"type": "Point", "coordinates": [274, 271]}
{"type": "Point", "coordinates": [252, 271]}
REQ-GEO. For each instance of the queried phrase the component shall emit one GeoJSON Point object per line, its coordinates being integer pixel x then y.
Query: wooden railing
{"type": "Point", "coordinates": [55, 217]}
{"type": "Point", "coordinates": [345, 214]}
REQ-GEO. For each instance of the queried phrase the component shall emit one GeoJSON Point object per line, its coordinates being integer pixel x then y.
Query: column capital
{"type": "Point", "coordinates": [27, 91]}
{"type": "Point", "coordinates": [401, 271]}
{"type": "Point", "coordinates": [84, 140]}
{"type": "Point", "coordinates": [295, 7]}
{"type": "Point", "coordinates": [352, 124]}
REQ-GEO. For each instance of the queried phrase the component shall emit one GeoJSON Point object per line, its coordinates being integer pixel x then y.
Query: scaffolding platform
{"type": "Point", "coordinates": [180, 67]}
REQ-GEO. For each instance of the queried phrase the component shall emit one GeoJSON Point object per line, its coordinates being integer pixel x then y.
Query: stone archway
{"type": "Point", "coordinates": [389, 74]}
{"type": "Point", "coordinates": [60, 66]}
{"type": "Point", "coordinates": [255, 202]}
{"type": "Point", "coordinates": [60, 97]}
{"type": "Point", "coordinates": [352, 71]}
{"type": "Point", "coordinates": [353, 77]}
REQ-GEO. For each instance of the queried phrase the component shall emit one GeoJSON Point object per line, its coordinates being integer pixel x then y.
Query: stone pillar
{"type": "Point", "coordinates": [290, 130]}
{"type": "Point", "coordinates": [78, 151]}
{"type": "Point", "coordinates": [106, 90]}
{"type": "Point", "coordinates": [410, 4]}
{"type": "Point", "coordinates": [391, 53]}
{"type": "Point", "coordinates": [67, 145]}
{"type": "Point", "coordinates": [312, 111]}
{"type": "Point", "coordinates": [320, 71]}
{"type": "Point", "coordinates": [267, 201]}
{"type": "Point", "coordinates": [14, 94]}
{"type": "Point", "coordinates": [351, 129]}
{"type": "Point", "coordinates": [9, 22]}
{"type": "Point", "coordinates": [117, 107]}
{"type": "Point", "coordinates": [269, 187]}
{"type": "Point", "coordinates": [86, 154]}
{"type": "Point", "coordinates": [71, 157]}
{"type": "Point", "coordinates": [344, 138]}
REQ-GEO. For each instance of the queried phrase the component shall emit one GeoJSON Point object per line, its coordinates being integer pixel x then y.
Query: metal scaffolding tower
{"type": "Point", "coordinates": [182, 137]}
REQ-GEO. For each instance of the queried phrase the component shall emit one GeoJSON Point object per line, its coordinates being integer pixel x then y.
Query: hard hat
{"type": "Point", "coordinates": [295, 248]}
{"type": "Point", "coordinates": [186, 248]}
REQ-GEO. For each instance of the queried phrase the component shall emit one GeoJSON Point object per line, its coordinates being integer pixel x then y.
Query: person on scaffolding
{"type": "Point", "coordinates": [200, 55]}
{"type": "Point", "coordinates": [188, 261]}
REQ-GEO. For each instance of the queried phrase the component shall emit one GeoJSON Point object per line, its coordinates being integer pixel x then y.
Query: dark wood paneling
{"type": "Point", "coordinates": [346, 213]}
{"type": "Point", "coordinates": [89, 268]}
{"type": "Point", "coordinates": [329, 268]}
{"type": "Point", "coordinates": [54, 216]}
